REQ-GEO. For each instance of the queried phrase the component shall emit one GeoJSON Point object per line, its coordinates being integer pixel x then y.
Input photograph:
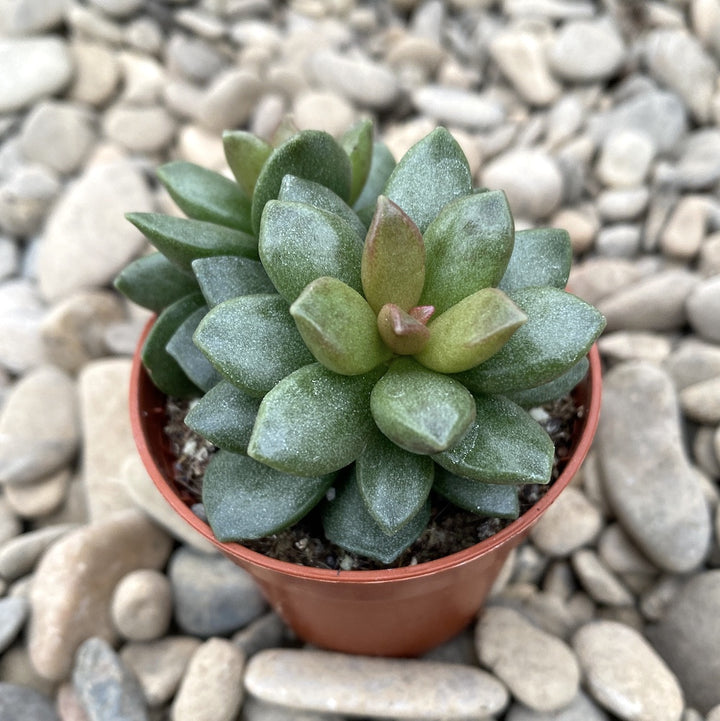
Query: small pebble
{"type": "Point", "coordinates": [141, 605]}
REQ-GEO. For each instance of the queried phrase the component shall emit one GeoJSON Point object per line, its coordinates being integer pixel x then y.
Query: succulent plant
{"type": "Point", "coordinates": [358, 333]}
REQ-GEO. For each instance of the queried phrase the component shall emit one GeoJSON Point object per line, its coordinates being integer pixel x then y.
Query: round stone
{"type": "Point", "coordinates": [625, 159]}
{"type": "Point", "coordinates": [141, 606]}
{"type": "Point", "coordinates": [139, 129]}
{"type": "Point", "coordinates": [703, 309]}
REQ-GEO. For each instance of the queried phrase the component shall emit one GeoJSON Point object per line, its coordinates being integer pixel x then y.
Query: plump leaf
{"type": "Point", "coordinates": [357, 142]}
{"type": "Point", "coordinates": [299, 243]}
{"type": "Point", "coordinates": [393, 259]}
{"type": "Point", "coordinates": [503, 445]}
{"type": "Point", "coordinates": [485, 499]}
{"type": "Point", "coordinates": [245, 154]}
{"type": "Point", "coordinates": [381, 166]}
{"type": "Point", "coordinates": [245, 499]}
{"type": "Point", "coordinates": [431, 174]}
{"type": "Point", "coordinates": [348, 523]}
{"type": "Point", "coordinates": [541, 256]}
{"type": "Point", "coordinates": [311, 154]}
{"type": "Point", "coordinates": [225, 415]}
{"type": "Point", "coordinates": [299, 190]}
{"type": "Point", "coordinates": [314, 421]}
{"type": "Point", "coordinates": [393, 483]}
{"type": "Point", "coordinates": [552, 390]}
{"type": "Point", "coordinates": [339, 327]}
{"type": "Point", "coordinates": [189, 357]}
{"type": "Point", "coordinates": [205, 195]}
{"type": "Point", "coordinates": [165, 372]}
{"type": "Point", "coordinates": [420, 410]}
{"type": "Point", "coordinates": [154, 282]}
{"type": "Point", "coordinates": [402, 333]}
{"type": "Point", "coordinates": [181, 240]}
{"type": "Point", "coordinates": [228, 276]}
{"type": "Point", "coordinates": [468, 246]}
{"type": "Point", "coordinates": [559, 331]}
{"type": "Point", "coordinates": [471, 331]}
{"type": "Point", "coordinates": [252, 341]}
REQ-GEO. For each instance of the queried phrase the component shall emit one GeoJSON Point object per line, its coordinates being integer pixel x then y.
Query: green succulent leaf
{"type": "Point", "coordinates": [311, 154]}
{"type": "Point", "coordinates": [541, 256]}
{"type": "Point", "coordinates": [314, 421]}
{"type": "Point", "coordinates": [164, 371]}
{"type": "Point", "coordinates": [339, 327]}
{"type": "Point", "coordinates": [299, 243]}
{"type": "Point", "coordinates": [228, 276]}
{"type": "Point", "coordinates": [245, 499]}
{"type": "Point", "coordinates": [357, 142]}
{"type": "Point", "coordinates": [252, 341]}
{"type": "Point", "coordinates": [503, 445]}
{"type": "Point", "coordinates": [245, 154]}
{"type": "Point", "coordinates": [381, 166]}
{"type": "Point", "coordinates": [154, 282]}
{"type": "Point", "coordinates": [349, 524]}
{"type": "Point", "coordinates": [182, 240]}
{"type": "Point", "coordinates": [402, 333]}
{"type": "Point", "coordinates": [471, 331]}
{"type": "Point", "coordinates": [485, 499]}
{"type": "Point", "coordinates": [559, 331]}
{"type": "Point", "coordinates": [393, 259]}
{"type": "Point", "coordinates": [468, 246]}
{"type": "Point", "coordinates": [552, 390]}
{"type": "Point", "coordinates": [205, 195]}
{"type": "Point", "coordinates": [299, 190]}
{"type": "Point", "coordinates": [225, 415]}
{"type": "Point", "coordinates": [431, 174]}
{"type": "Point", "coordinates": [393, 483]}
{"type": "Point", "coordinates": [188, 356]}
{"type": "Point", "coordinates": [420, 410]}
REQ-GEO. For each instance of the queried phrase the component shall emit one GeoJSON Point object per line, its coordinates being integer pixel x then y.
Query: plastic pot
{"type": "Point", "coordinates": [393, 612]}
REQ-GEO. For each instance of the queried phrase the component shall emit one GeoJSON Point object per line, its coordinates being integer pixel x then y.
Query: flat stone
{"type": "Point", "coordinates": [107, 690]}
{"type": "Point", "coordinates": [653, 303]}
{"type": "Point", "coordinates": [147, 129]}
{"type": "Point", "coordinates": [159, 665]}
{"type": "Point", "coordinates": [25, 17]}
{"type": "Point", "coordinates": [635, 345]}
{"type": "Point", "coordinates": [709, 256]}
{"type": "Point", "coordinates": [625, 158]}
{"type": "Point", "coordinates": [212, 687]}
{"type": "Point", "coordinates": [625, 675]}
{"type": "Point", "coordinates": [697, 165]}
{"type": "Point", "coordinates": [581, 708]}
{"type": "Point", "coordinates": [229, 100]}
{"type": "Point", "coordinates": [118, 8]}
{"type": "Point", "coordinates": [703, 309]}
{"type": "Point", "coordinates": [531, 179]}
{"type": "Point", "coordinates": [267, 631]}
{"type": "Point", "coordinates": [581, 223]}
{"type": "Point", "coordinates": [107, 437]}
{"type": "Point", "coordinates": [620, 554]}
{"type": "Point", "coordinates": [693, 361]}
{"type": "Point", "coordinates": [458, 107]}
{"type": "Point", "coordinates": [92, 208]}
{"type": "Point", "coordinates": [684, 233]}
{"type": "Point", "coordinates": [539, 669]}
{"type": "Point", "coordinates": [641, 453]}
{"type": "Point", "coordinates": [255, 710]}
{"type": "Point", "coordinates": [29, 449]}
{"type": "Point", "coordinates": [35, 68]}
{"type": "Point", "coordinates": [701, 401]}
{"type": "Point", "coordinates": [20, 702]}
{"type": "Point", "coordinates": [97, 73]}
{"type": "Point", "coordinates": [618, 241]}
{"type": "Point", "coordinates": [318, 681]}
{"type": "Point", "coordinates": [623, 203]}
{"type": "Point", "coordinates": [212, 595]}
{"type": "Point", "coordinates": [40, 498]}
{"type": "Point", "coordinates": [142, 605]}
{"type": "Point", "coordinates": [13, 614]}
{"type": "Point", "coordinates": [568, 524]}
{"type": "Point", "coordinates": [19, 555]}
{"type": "Point", "coordinates": [599, 581]}
{"type": "Point", "coordinates": [74, 581]}
{"type": "Point", "coordinates": [323, 110]}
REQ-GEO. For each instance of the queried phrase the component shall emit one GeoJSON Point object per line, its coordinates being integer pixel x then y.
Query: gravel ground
{"type": "Point", "coordinates": [601, 117]}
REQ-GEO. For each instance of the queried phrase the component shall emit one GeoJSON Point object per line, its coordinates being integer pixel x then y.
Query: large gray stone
{"type": "Point", "coordinates": [19, 702]}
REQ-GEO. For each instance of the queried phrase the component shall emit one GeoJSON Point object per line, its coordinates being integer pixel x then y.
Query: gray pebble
{"type": "Point", "coordinates": [618, 241]}
{"type": "Point", "coordinates": [622, 204]}
{"type": "Point", "coordinates": [19, 555]}
{"type": "Point", "coordinates": [139, 129]}
{"type": "Point", "coordinates": [20, 702]}
{"type": "Point", "coordinates": [581, 708]}
{"type": "Point", "coordinates": [701, 402]}
{"type": "Point", "coordinates": [693, 361]}
{"type": "Point", "coordinates": [703, 309]}
{"type": "Point", "coordinates": [229, 100]}
{"type": "Point", "coordinates": [26, 197]}
{"type": "Point", "coordinates": [599, 581]}
{"type": "Point", "coordinates": [13, 614]}
{"type": "Point", "coordinates": [455, 106]}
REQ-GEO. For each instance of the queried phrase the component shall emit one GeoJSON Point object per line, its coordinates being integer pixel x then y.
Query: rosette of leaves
{"type": "Point", "coordinates": [359, 334]}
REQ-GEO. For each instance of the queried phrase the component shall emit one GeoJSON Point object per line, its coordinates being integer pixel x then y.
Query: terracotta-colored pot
{"type": "Point", "coordinates": [394, 612]}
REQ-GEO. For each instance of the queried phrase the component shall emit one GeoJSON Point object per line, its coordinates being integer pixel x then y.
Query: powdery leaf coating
{"type": "Point", "coordinates": [503, 445]}
{"type": "Point", "coordinates": [205, 195]}
{"type": "Point", "coordinates": [181, 240]}
{"type": "Point", "coordinates": [393, 259]}
{"type": "Point", "coordinates": [358, 144]}
{"type": "Point", "coordinates": [252, 341]}
{"type": "Point", "coordinates": [299, 243]}
{"type": "Point", "coordinates": [224, 277]}
{"type": "Point", "coordinates": [310, 154]}
{"type": "Point", "coordinates": [339, 327]}
{"type": "Point", "coordinates": [349, 524]}
{"type": "Point", "coordinates": [552, 390]}
{"type": "Point", "coordinates": [247, 499]}
{"type": "Point", "coordinates": [485, 499]}
{"type": "Point", "coordinates": [402, 412]}
{"type": "Point", "coordinates": [468, 246]}
{"type": "Point", "coordinates": [225, 415]}
{"type": "Point", "coordinates": [470, 331]}
{"type": "Point", "coordinates": [245, 154]}
{"type": "Point", "coordinates": [314, 421]}
{"type": "Point", "coordinates": [432, 173]}
{"type": "Point", "coordinates": [393, 483]}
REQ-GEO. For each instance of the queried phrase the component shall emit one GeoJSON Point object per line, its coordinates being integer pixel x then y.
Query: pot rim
{"type": "Point", "coordinates": [518, 527]}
